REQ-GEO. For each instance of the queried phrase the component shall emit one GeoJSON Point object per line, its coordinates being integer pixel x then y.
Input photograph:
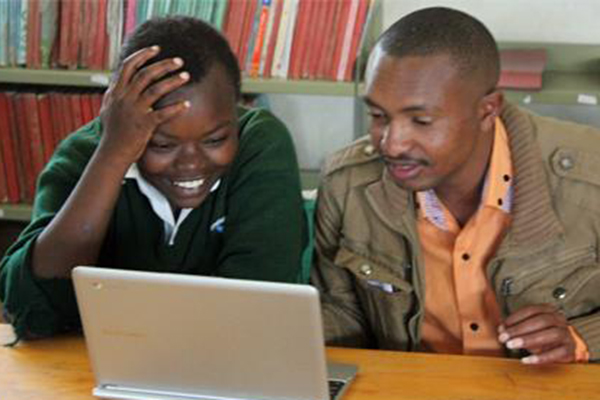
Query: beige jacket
{"type": "Point", "coordinates": [368, 263]}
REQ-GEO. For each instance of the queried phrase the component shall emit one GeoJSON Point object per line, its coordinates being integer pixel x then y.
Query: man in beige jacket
{"type": "Point", "coordinates": [462, 224]}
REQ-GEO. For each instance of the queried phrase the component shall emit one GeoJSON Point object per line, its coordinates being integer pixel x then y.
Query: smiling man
{"type": "Point", "coordinates": [462, 224]}
{"type": "Point", "coordinates": [173, 177]}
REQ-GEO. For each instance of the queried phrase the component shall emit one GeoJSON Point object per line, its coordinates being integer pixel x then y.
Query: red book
{"type": "Point", "coordinates": [3, 184]}
{"type": "Point", "coordinates": [58, 126]}
{"type": "Point", "coordinates": [235, 20]}
{"type": "Point", "coordinates": [33, 58]}
{"type": "Point", "coordinates": [329, 48]}
{"type": "Point", "coordinates": [77, 112]}
{"type": "Point", "coordinates": [248, 25]}
{"type": "Point", "coordinates": [46, 125]}
{"type": "Point", "coordinates": [67, 114]}
{"type": "Point", "coordinates": [7, 146]}
{"type": "Point", "coordinates": [25, 165]}
{"type": "Point", "coordinates": [522, 68]}
{"type": "Point", "coordinates": [64, 33]}
{"type": "Point", "coordinates": [313, 24]}
{"type": "Point", "coordinates": [11, 146]}
{"type": "Point", "coordinates": [99, 50]}
{"type": "Point", "coordinates": [87, 111]}
{"type": "Point", "coordinates": [321, 30]}
{"type": "Point", "coordinates": [88, 34]}
{"type": "Point", "coordinates": [272, 40]}
{"type": "Point", "coordinates": [299, 38]}
{"type": "Point", "coordinates": [75, 33]}
{"type": "Point", "coordinates": [35, 134]}
{"type": "Point", "coordinates": [361, 17]}
{"type": "Point", "coordinates": [339, 38]}
{"type": "Point", "coordinates": [96, 104]}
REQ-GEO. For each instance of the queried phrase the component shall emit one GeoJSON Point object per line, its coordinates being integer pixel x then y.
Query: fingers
{"type": "Point", "coordinates": [131, 65]}
{"type": "Point", "coordinates": [168, 112]}
{"type": "Point", "coordinates": [527, 312]}
{"type": "Point", "coordinates": [541, 330]}
{"type": "Point", "coordinates": [143, 80]}
{"type": "Point", "coordinates": [159, 89]}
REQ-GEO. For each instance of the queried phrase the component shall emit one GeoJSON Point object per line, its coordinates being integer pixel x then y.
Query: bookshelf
{"type": "Point", "coordinates": [99, 79]}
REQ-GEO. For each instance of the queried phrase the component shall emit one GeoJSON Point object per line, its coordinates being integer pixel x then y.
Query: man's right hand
{"type": "Point", "coordinates": [128, 119]}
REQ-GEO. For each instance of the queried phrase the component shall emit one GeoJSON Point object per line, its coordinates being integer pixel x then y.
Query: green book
{"type": "Point", "coordinates": [49, 24]}
{"type": "Point", "coordinates": [218, 15]}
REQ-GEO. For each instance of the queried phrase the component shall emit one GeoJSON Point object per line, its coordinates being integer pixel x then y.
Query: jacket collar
{"type": "Point", "coordinates": [534, 225]}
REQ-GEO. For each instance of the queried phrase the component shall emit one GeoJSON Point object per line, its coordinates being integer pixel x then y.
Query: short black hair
{"type": "Point", "coordinates": [196, 42]}
{"type": "Point", "coordinates": [440, 30]}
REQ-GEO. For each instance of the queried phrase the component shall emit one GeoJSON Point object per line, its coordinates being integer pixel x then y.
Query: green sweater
{"type": "Point", "coordinates": [251, 227]}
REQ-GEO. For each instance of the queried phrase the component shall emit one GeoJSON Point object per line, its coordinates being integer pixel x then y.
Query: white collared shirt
{"type": "Point", "coordinates": [160, 204]}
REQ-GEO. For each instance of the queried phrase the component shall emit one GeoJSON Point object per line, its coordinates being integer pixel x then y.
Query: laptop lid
{"type": "Point", "coordinates": [172, 336]}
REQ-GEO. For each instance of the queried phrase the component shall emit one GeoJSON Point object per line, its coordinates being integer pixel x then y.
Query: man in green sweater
{"type": "Point", "coordinates": [172, 177]}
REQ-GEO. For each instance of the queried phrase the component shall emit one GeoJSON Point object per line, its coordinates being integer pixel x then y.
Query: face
{"type": "Point", "coordinates": [432, 127]}
{"type": "Point", "coordinates": [189, 153]}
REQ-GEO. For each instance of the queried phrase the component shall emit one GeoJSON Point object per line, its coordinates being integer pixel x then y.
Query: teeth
{"type": "Point", "coordinates": [189, 184]}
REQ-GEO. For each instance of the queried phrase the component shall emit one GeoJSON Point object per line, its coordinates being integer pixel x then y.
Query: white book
{"type": "Point", "coordinates": [347, 42]}
{"type": "Point", "coordinates": [114, 19]}
{"type": "Point", "coordinates": [285, 38]}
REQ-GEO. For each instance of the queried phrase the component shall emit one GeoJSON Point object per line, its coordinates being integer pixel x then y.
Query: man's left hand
{"type": "Point", "coordinates": [543, 331]}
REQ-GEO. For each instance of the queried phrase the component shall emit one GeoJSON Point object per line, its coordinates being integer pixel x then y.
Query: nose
{"type": "Point", "coordinates": [395, 140]}
{"type": "Point", "coordinates": [190, 158]}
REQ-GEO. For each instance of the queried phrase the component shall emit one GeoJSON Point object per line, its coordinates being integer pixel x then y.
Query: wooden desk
{"type": "Point", "coordinates": [58, 369]}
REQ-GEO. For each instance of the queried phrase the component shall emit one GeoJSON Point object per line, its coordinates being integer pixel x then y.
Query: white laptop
{"type": "Point", "coordinates": [169, 336]}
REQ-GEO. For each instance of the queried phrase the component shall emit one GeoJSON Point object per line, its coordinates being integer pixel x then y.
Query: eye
{"type": "Point", "coordinates": [161, 146]}
{"type": "Point", "coordinates": [215, 141]}
{"type": "Point", "coordinates": [423, 121]}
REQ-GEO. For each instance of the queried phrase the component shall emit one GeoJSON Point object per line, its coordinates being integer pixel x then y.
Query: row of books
{"type": "Point", "coordinates": [31, 126]}
{"type": "Point", "coordinates": [289, 39]}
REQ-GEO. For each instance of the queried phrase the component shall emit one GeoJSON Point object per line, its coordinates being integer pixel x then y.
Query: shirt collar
{"type": "Point", "coordinates": [160, 205]}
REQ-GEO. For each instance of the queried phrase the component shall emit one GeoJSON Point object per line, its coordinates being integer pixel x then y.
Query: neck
{"type": "Point", "coordinates": [462, 193]}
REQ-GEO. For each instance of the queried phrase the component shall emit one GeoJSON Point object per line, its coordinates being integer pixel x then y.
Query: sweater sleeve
{"type": "Point", "coordinates": [42, 307]}
{"type": "Point", "coordinates": [265, 230]}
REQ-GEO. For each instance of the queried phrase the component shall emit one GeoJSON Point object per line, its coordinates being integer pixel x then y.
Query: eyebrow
{"type": "Point", "coordinates": [418, 107]}
{"type": "Point", "coordinates": [208, 133]}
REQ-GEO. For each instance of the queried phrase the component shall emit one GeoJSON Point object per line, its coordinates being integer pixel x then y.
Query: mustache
{"type": "Point", "coordinates": [406, 160]}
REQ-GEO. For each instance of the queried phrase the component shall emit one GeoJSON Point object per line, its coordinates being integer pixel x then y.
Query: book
{"type": "Point", "coordinates": [46, 126]}
{"type": "Point", "coordinates": [343, 21]}
{"type": "Point", "coordinates": [48, 31]}
{"type": "Point", "coordinates": [346, 43]}
{"type": "Point", "coordinates": [114, 19]}
{"type": "Point", "coordinates": [250, 21]}
{"type": "Point", "coordinates": [522, 68]}
{"type": "Point", "coordinates": [361, 16]}
{"type": "Point", "coordinates": [266, 56]}
{"type": "Point", "coordinates": [322, 28]}
{"type": "Point", "coordinates": [7, 147]}
{"type": "Point", "coordinates": [329, 47]}
{"type": "Point", "coordinates": [300, 36]}
{"type": "Point", "coordinates": [34, 133]}
{"type": "Point", "coordinates": [33, 31]}
{"type": "Point", "coordinates": [259, 41]}
{"type": "Point", "coordinates": [285, 38]}
{"type": "Point", "coordinates": [25, 166]}
{"type": "Point", "coordinates": [4, 33]}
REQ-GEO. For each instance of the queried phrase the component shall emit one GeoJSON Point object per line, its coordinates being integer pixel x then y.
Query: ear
{"type": "Point", "coordinates": [489, 108]}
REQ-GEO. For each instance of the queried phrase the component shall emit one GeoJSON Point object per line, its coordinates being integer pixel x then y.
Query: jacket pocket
{"type": "Point", "coordinates": [386, 298]}
{"type": "Point", "coordinates": [569, 279]}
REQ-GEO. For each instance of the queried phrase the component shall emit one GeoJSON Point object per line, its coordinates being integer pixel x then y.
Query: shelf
{"type": "Point", "coordinates": [82, 78]}
{"type": "Point", "coordinates": [15, 212]}
{"type": "Point", "coordinates": [561, 88]}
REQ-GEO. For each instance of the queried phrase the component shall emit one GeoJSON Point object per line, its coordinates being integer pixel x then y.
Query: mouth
{"type": "Point", "coordinates": [189, 184]}
{"type": "Point", "coordinates": [405, 171]}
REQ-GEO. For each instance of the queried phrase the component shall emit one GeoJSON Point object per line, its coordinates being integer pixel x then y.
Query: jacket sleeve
{"type": "Point", "coordinates": [265, 227]}
{"type": "Point", "coordinates": [42, 307]}
{"type": "Point", "coordinates": [588, 328]}
{"type": "Point", "coordinates": [343, 318]}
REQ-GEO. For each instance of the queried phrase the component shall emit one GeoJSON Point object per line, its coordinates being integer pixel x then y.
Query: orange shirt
{"type": "Point", "coordinates": [461, 312]}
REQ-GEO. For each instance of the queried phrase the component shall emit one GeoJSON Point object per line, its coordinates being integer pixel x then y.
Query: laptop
{"type": "Point", "coordinates": [167, 336]}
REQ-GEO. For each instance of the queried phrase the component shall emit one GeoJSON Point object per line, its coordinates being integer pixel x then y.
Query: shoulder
{"type": "Point", "coordinates": [569, 149]}
{"type": "Point", "coordinates": [354, 165]}
{"type": "Point", "coordinates": [257, 124]}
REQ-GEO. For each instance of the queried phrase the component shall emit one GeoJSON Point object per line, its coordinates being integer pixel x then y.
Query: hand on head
{"type": "Point", "coordinates": [127, 115]}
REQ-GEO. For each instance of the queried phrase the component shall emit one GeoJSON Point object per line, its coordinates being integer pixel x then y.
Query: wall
{"type": "Point", "coordinates": [320, 125]}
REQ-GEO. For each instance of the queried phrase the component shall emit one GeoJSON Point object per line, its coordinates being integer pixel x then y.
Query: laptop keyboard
{"type": "Point", "coordinates": [334, 388]}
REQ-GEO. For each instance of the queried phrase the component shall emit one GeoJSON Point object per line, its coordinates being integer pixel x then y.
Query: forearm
{"type": "Point", "coordinates": [76, 234]}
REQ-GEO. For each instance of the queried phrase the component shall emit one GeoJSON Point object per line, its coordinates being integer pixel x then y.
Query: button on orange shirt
{"type": "Point", "coordinates": [461, 312]}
